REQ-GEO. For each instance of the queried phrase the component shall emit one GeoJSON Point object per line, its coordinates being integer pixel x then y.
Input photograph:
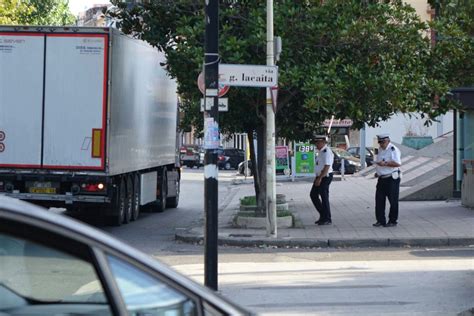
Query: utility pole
{"type": "Point", "coordinates": [211, 141]}
{"type": "Point", "coordinates": [362, 151]}
{"type": "Point", "coordinates": [270, 135]}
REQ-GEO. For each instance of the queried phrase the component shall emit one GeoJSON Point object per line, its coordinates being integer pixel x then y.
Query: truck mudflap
{"type": "Point", "coordinates": [66, 198]}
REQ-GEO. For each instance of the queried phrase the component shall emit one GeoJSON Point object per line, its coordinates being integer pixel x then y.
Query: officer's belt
{"type": "Point", "coordinates": [326, 176]}
{"type": "Point", "coordinates": [385, 176]}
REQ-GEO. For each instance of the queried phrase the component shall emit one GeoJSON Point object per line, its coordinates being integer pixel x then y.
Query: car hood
{"type": "Point", "coordinates": [351, 158]}
{"type": "Point", "coordinates": [354, 159]}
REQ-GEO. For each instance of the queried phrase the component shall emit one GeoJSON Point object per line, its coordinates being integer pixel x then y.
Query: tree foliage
{"type": "Point", "coordinates": [364, 60]}
{"type": "Point", "coordinates": [453, 53]}
{"type": "Point", "coordinates": [36, 12]}
{"type": "Point", "coordinates": [13, 11]}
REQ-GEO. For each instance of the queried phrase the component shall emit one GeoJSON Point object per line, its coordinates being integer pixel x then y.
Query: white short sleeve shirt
{"type": "Point", "coordinates": [325, 158]}
{"type": "Point", "coordinates": [391, 153]}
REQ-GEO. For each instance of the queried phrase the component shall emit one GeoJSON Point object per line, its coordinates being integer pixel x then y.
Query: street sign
{"type": "Point", "coordinates": [338, 123]}
{"type": "Point", "coordinates": [223, 104]}
{"type": "Point", "coordinates": [248, 75]}
{"type": "Point", "coordinates": [304, 159]}
{"type": "Point", "coordinates": [223, 89]}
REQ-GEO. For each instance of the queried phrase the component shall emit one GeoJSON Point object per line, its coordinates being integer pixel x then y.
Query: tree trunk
{"type": "Point", "coordinates": [261, 167]}
{"type": "Point", "coordinates": [257, 172]}
{"type": "Point", "coordinates": [253, 159]}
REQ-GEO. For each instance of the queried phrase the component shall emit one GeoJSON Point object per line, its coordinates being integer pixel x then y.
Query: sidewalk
{"type": "Point", "coordinates": [421, 224]}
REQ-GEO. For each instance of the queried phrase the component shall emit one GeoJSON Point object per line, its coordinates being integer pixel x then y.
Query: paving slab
{"type": "Point", "coordinates": [421, 223]}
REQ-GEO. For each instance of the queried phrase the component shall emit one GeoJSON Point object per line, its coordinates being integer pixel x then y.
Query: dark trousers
{"type": "Point", "coordinates": [387, 188]}
{"type": "Point", "coordinates": [320, 197]}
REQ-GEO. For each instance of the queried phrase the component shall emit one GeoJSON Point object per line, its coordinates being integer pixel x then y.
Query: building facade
{"type": "Point", "coordinates": [94, 16]}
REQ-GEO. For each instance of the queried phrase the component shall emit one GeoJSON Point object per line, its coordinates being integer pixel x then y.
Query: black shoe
{"type": "Point", "coordinates": [324, 223]}
{"type": "Point", "coordinates": [391, 224]}
{"type": "Point", "coordinates": [317, 222]}
{"type": "Point", "coordinates": [378, 224]}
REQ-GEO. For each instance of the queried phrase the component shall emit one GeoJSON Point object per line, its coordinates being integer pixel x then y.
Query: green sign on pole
{"type": "Point", "coordinates": [304, 159]}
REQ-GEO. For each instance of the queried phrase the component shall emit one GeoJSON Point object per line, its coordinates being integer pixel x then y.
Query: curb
{"type": "Point", "coordinates": [244, 240]}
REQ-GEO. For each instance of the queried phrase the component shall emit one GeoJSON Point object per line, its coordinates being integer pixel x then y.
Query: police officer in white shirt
{"type": "Point", "coordinates": [388, 164]}
{"type": "Point", "coordinates": [320, 190]}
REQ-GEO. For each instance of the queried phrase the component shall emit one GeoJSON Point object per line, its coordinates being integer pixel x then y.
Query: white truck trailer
{"type": "Point", "coordinates": [88, 120]}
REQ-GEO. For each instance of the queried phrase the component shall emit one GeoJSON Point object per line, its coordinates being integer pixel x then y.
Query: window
{"type": "Point", "coordinates": [34, 276]}
{"type": "Point", "coordinates": [353, 151]}
{"type": "Point", "coordinates": [146, 295]}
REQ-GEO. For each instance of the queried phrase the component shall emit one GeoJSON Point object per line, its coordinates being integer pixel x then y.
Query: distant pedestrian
{"type": "Point", "coordinates": [320, 189]}
{"type": "Point", "coordinates": [388, 164]}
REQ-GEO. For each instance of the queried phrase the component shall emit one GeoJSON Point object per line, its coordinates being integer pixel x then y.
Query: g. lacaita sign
{"type": "Point", "coordinates": [248, 75]}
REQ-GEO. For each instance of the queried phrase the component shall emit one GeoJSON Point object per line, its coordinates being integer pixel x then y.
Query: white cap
{"type": "Point", "coordinates": [321, 137]}
{"type": "Point", "coordinates": [383, 136]}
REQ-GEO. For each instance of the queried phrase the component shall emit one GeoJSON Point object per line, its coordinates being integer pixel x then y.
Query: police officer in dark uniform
{"type": "Point", "coordinates": [320, 190]}
{"type": "Point", "coordinates": [388, 164]}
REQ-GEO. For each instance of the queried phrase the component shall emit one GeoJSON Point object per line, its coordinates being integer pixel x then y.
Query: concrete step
{"type": "Point", "coordinates": [427, 170]}
{"type": "Point", "coordinates": [436, 187]}
{"type": "Point", "coordinates": [369, 171]}
{"type": "Point", "coordinates": [414, 164]}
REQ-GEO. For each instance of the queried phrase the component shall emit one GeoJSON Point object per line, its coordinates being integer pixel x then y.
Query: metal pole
{"type": "Point", "coordinates": [455, 153]}
{"type": "Point", "coordinates": [211, 130]}
{"type": "Point", "coordinates": [246, 163]}
{"type": "Point", "coordinates": [362, 151]}
{"type": "Point", "coordinates": [270, 135]}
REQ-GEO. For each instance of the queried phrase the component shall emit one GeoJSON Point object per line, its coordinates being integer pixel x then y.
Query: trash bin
{"type": "Point", "coordinates": [467, 187]}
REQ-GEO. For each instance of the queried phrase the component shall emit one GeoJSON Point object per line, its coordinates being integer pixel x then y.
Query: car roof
{"type": "Point", "coordinates": [27, 213]}
{"type": "Point", "coordinates": [369, 147]}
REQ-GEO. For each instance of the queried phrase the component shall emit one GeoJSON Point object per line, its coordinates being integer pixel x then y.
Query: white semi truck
{"type": "Point", "coordinates": [88, 120]}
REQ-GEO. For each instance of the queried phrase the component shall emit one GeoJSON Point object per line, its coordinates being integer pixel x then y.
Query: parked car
{"type": "Point", "coordinates": [241, 168]}
{"type": "Point", "coordinates": [52, 264]}
{"type": "Point", "coordinates": [189, 156]}
{"type": "Point", "coordinates": [351, 163]}
{"type": "Point", "coordinates": [370, 153]}
{"type": "Point", "coordinates": [229, 158]}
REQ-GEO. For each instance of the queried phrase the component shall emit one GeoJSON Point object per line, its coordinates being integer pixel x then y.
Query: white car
{"type": "Point", "coordinates": [54, 265]}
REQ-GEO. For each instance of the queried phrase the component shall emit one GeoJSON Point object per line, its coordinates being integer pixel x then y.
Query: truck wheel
{"type": "Point", "coordinates": [159, 205]}
{"type": "Point", "coordinates": [136, 197]}
{"type": "Point", "coordinates": [172, 202]}
{"type": "Point", "coordinates": [117, 207]}
{"type": "Point", "coordinates": [128, 200]}
{"type": "Point", "coordinates": [161, 201]}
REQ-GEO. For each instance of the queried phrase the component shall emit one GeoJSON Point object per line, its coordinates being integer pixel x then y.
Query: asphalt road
{"type": "Point", "coordinates": [154, 233]}
{"type": "Point", "coordinates": [342, 281]}
{"type": "Point", "coordinates": [317, 281]}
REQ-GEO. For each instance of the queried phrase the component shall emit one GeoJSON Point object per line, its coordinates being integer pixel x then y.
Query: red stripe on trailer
{"type": "Point", "coordinates": [105, 37]}
{"type": "Point", "coordinates": [21, 33]}
{"type": "Point", "coordinates": [76, 35]}
{"type": "Point", "coordinates": [104, 99]}
{"type": "Point", "coordinates": [25, 166]}
{"type": "Point", "coordinates": [19, 166]}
